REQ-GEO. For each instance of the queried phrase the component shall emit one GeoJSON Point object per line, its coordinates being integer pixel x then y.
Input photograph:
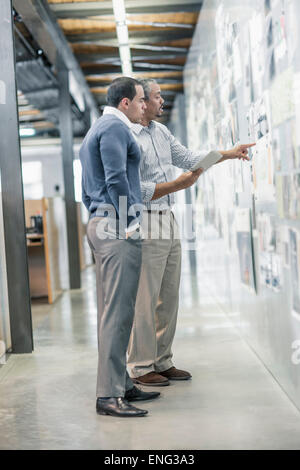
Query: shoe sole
{"type": "Point", "coordinates": [105, 413]}
{"type": "Point", "coordinates": [179, 378]}
{"type": "Point", "coordinates": [142, 399]}
{"type": "Point", "coordinates": [153, 384]}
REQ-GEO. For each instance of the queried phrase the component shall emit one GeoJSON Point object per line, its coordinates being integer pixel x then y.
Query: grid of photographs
{"type": "Point", "coordinates": [250, 85]}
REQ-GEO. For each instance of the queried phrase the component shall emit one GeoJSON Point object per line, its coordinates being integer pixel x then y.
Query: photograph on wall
{"type": "Point", "coordinates": [234, 122]}
{"type": "Point", "coordinates": [267, 7]}
{"type": "Point", "coordinates": [280, 39]}
{"type": "Point", "coordinates": [270, 259]}
{"type": "Point", "coordinates": [269, 31]}
{"type": "Point", "coordinates": [258, 63]}
{"type": "Point", "coordinates": [247, 69]}
{"type": "Point", "coordinates": [263, 171]}
{"type": "Point", "coordinates": [259, 119]}
{"type": "Point", "coordinates": [288, 195]}
{"type": "Point", "coordinates": [296, 96]}
{"type": "Point", "coordinates": [245, 248]}
{"type": "Point", "coordinates": [270, 66]}
{"type": "Point", "coordinates": [294, 206]}
{"type": "Point", "coordinates": [276, 145]}
{"type": "Point", "coordinates": [270, 270]}
{"type": "Point", "coordinates": [292, 29]}
{"type": "Point", "coordinates": [295, 267]}
{"type": "Point", "coordinates": [237, 61]}
{"type": "Point", "coordinates": [285, 244]}
{"type": "Point", "coordinates": [282, 97]}
{"type": "Point", "coordinates": [285, 148]}
{"type": "Point", "coordinates": [262, 116]}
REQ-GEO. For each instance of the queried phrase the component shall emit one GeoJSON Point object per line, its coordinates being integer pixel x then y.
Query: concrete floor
{"type": "Point", "coordinates": [47, 399]}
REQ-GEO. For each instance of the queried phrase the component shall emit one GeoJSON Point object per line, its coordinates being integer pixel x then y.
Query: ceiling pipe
{"type": "Point", "coordinates": [41, 22]}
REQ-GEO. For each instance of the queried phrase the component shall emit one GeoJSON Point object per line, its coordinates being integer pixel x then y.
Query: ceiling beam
{"type": "Point", "coordinates": [175, 60]}
{"type": "Point", "coordinates": [93, 8]}
{"type": "Point", "coordinates": [178, 87]}
{"type": "Point", "coordinates": [183, 42]}
{"type": "Point", "coordinates": [136, 37]}
{"type": "Point", "coordinates": [29, 112]}
{"type": "Point", "coordinates": [110, 44]}
{"type": "Point", "coordinates": [116, 68]}
{"type": "Point", "coordinates": [148, 22]}
{"type": "Point", "coordinates": [138, 75]}
{"type": "Point", "coordinates": [40, 125]}
{"type": "Point", "coordinates": [135, 56]}
{"type": "Point", "coordinates": [81, 49]}
{"type": "Point", "coordinates": [153, 59]}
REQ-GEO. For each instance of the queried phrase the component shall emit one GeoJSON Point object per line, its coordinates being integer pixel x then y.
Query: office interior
{"type": "Point", "coordinates": [229, 71]}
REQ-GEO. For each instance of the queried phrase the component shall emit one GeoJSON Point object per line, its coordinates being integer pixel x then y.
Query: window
{"type": "Point", "coordinates": [32, 180]}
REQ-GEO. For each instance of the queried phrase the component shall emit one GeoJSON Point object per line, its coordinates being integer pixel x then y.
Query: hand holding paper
{"type": "Point", "coordinates": [240, 152]}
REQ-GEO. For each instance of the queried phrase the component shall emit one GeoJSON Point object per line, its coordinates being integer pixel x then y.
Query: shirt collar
{"type": "Point", "coordinates": [119, 114]}
{"type": "Point", "coordinates": [137, 128]}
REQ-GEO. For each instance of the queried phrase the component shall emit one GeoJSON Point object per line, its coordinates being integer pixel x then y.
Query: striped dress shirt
{"type": "Point", "coordinates": [160, 152]}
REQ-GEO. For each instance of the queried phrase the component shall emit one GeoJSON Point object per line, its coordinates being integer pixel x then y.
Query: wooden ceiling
{"type": "Point", "coordinates": [160, 34]}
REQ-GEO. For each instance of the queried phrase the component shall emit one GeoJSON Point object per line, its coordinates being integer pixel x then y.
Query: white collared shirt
{"type": "Point", "coordinates": [119, 114]}
{"type": "Point", "coordinates": [160, 152]}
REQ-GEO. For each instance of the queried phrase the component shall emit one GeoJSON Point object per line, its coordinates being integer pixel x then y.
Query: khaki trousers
{"type": "Point", "coordinates": [157, 298]}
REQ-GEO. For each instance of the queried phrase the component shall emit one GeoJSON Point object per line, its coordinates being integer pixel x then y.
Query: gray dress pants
{"type": "Point", "coordinates": [118, 264]}
{"type": "Point", "coordinates": [150, 345]}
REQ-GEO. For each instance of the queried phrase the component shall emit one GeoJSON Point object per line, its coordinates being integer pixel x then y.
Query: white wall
{"type": "Point", "coordinates": [235, 92]}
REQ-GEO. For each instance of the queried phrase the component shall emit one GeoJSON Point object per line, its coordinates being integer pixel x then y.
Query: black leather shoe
{"type": "Point", "coordinates": [135, 394]}
{"type": "Point", "coordinates": [118, 407]}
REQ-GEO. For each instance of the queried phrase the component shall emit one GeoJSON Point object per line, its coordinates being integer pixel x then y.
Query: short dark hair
{"type": "Point", "coordinates": [122, 87]}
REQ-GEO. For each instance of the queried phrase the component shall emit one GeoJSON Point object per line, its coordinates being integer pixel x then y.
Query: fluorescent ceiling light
{"type": "Point", "coordinates": [127, 69]}
{"type": "Point", "coordinates": [119, 11]}
{"type": "Point", "coordinates": [27, 132]}
{"type": "Point", "coordinates": [122, 33]}
{"type": "Point", "coordinates": [125, 54]}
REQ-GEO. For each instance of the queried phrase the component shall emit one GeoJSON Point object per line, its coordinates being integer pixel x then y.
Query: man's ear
{"type": "Point", "coordinates": [124, 102]}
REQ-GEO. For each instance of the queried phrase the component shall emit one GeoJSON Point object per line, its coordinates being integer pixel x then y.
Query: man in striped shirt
{"type": "Point", "coordinates": [149, 352]}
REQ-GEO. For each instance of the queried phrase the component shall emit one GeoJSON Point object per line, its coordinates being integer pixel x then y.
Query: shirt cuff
{"type": "Point", "coordinates": [148, 190]}
{"type": "Point", "coordinates": [209, 160]}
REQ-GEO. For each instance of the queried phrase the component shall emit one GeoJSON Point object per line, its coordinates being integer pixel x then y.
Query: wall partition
{"type": "Point", "coordinates": [12, 192]}
{"type": "Point", "coordinates": [242, 84]}
{"type": "Point", "coordinates": [5, 340]}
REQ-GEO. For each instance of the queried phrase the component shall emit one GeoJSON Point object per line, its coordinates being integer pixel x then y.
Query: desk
{"type": "Point", "coordinates": [35, 239]}
{"type": "Point", "coordinates": [47, 252]}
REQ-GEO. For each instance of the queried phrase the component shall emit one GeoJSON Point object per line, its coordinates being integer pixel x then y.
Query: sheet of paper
{"type": "Point", "coordinates": [282, 97]}
{"type": "Point", "coordinates": [295, 269]}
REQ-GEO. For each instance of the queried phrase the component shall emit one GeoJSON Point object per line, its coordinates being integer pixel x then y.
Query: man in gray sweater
{"type": "Point", "coordinates": [111, 192]}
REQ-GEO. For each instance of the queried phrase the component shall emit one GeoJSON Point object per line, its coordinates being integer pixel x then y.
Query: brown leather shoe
{"type": "Point", "coordinates": [176, 374]}
{"type": "Point", "coordinates": [152, 379]}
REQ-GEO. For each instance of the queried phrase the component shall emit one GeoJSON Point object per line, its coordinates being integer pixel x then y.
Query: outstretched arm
{"type": "Point", "coordinates": [240, 152]}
